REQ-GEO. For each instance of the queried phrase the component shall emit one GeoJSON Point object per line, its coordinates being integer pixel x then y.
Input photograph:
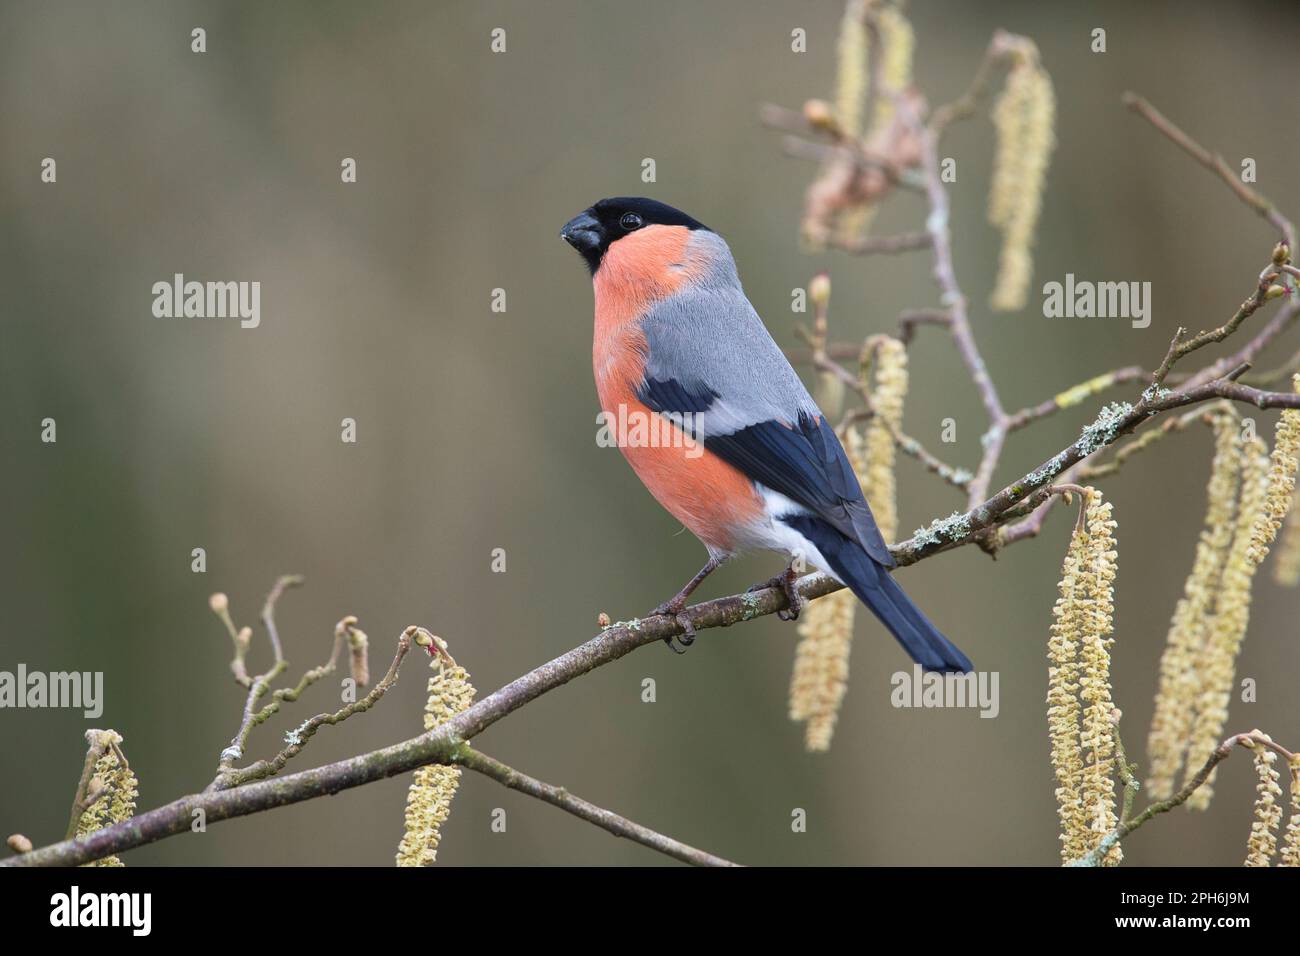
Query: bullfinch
{"type": "Point", "coordinates": [743, 458]}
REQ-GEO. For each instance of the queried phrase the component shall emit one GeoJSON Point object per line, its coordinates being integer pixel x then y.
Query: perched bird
{"type": "Point", "coordinates": [747, 461]}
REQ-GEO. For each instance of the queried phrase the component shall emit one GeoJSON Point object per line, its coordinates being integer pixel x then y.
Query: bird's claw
{"type": "Point", "coordinates": [785, 583]}
{"type": "Point", "coordinates": [687, 637]}
{"type": "Point", "coordinates": [792, 595]}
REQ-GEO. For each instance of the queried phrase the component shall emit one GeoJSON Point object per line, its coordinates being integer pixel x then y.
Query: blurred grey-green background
{"type": "Point", "coordinates": [476, 429]}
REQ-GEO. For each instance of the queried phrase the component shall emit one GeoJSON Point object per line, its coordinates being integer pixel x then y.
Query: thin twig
{"type": "Point", "coordinates": [954, 301]}
{"type": "Point", "coordinates": [98, 742]}
{"type": "Point", "coordinates": [1178, 348]}
{"type": "Point", "coordinates": [889, 245]}
{"type": "Point", "coordinates": [1075, 395]}
{"type": "Point", "coordinates": [798, 148]}
{"type": "Point", "coordinates": [262, 683]}
{"type": "Point", "coordinates": [910, 319]}
{"type": "Point", "coordinates": [297, 739]}
{"type": "Point", "coordinates": [1273, 376]}
{"type": "Point", "coordinates": [479, 762]}
{"type": "Point", "coordinates": [957, 477]}
{"type": "Point", "coordinates": [268, 610]}
{"type": "Point", "coordinates": [1213, 162]}
{"type": "Point", "coordinates": [966, 104]}
{"type": "Point", "coordinates": [1126, 772]}
{"type": "Point", "coordinates": [1280, 323]}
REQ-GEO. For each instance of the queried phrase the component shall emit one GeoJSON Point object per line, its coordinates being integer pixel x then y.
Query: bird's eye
{"type": "Point", "coordinates": [630, 221]}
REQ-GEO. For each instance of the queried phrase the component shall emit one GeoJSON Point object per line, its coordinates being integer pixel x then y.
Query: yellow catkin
{"type": "Point", "coordinates": [874, 461]}
{"type": "Point", "coordinates": [821, 661]}
{"type": "Point", "coordinates": [1097, 727]}
{"type": "Point", "coordinates": [821, 665]}
{"type": "Point", "coordinates": [1281, 480]}
{"type": "Point", "coordinates": [851, 70]}
{"type": "Point", "coordinates": [897, 44]}
{"type": "Point", "coordinates": [1063, 706]}
{"type": "Point", "coordinates": [1023, 116]}
{"type": "Point", "coordinates": [121, 788]}
{"type": "Point", "coordinates": [428, 801]}
{"type": "Point", "coordinates": [1179, 681]}
{"type": "Point", "coordinates": [1227, 627]}
{"type": "Point", "coordinates": [1268, 812]}
{"type": "Point", "coordinates": [1286, 566]}
{"type": "Point", "coordinates": [1291, 837]}
{"type": "Point", "coordinates": [1079, 702]}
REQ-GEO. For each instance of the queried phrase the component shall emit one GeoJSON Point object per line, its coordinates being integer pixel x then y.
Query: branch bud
{"type": "Point", "coordinates": [359, 644]}
{"type": "Point", "coordinates": [19, 843]}
{"type": "Point", "coordinates": [819, 290]}
{"type": "Point", "coordinates": [819, 115]}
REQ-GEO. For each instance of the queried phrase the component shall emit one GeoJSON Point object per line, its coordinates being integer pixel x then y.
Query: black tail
{"type": "Point", "coordinates": [878, 590]}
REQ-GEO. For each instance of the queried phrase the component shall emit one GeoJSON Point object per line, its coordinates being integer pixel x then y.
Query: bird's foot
{"type": "Point", "coordinates": [673, 609]}
{"type": "Point", "coordinates": [785, 582]}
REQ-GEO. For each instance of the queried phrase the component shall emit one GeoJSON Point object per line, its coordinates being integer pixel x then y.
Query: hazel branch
{"type": "Point", "coordinates": [821, 360]}
{"type": "Point", "coordinates": [439, 745]}
{"type": "Point", "coordinates": [83, 799]}
{"type": "Point", "coordinates": [1220, 754]}
{"type": "Point", "coordinates": [1000, 47]}
{"type": "Point", "coordinates": [842, 148]}
{"type": "Point", "coordinates": [268, 610]}
{"type": "Point", "coordinates": [1075, 395]}
{"type": "Point", "coordinates": [888, 245]}
{"type": "Point", "coordinates": [481, 763]}
{"type": "Point", "coordinates": [910, 319]}
{"type": "Point", "coordinates": [262, 684]}
{"type": "Point", "coordinates": [1213, 162]}
{"type": "Point", "coordinates": [1149, 438]}
{"type": "Point", "coordinates": [297, 739]}
{"type": "Point", "coordinates": [1178, 348]}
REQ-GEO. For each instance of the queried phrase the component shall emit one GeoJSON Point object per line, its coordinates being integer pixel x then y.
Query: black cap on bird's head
{"type": "Point", "coordinates": [598, 227]}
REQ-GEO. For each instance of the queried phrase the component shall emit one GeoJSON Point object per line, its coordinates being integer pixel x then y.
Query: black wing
{"type": "Point", "coordinates": [802, 460]}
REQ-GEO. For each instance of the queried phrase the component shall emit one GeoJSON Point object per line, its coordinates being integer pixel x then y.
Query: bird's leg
{"type": "Point", "coordinates": [786, 582]}
{"type": "Point", "coordinates": [674, 607]}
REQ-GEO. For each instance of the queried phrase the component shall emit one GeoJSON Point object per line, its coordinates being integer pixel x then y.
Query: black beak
{"type": "Point", "coordinates": [585, 234]}
{"type": "Point", "coordinates": [582, 232]}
